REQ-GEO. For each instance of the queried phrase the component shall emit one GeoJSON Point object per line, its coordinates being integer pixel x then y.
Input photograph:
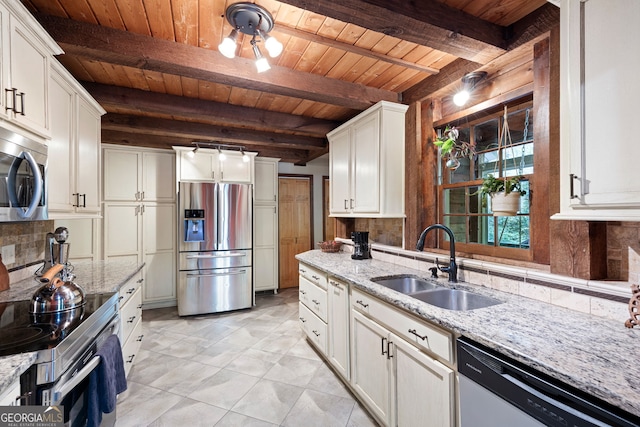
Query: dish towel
{"type": "Point", "coordinates": [106, 381]}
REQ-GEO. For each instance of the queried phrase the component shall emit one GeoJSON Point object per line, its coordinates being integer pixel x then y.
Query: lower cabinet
{"type": "Point", "coordinates": [11, 397]}
{"type": "Point", "coordinates": [338, 327]}
{"type": "Point", "coordinates": [131, 320]}
{"type": "Point", "coordinates": [313, 306]}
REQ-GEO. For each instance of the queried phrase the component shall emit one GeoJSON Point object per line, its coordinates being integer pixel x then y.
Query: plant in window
{"type": "Point", "coordinates": [504, 192]}
{"type": "Point", "coordinates": [452, 148]}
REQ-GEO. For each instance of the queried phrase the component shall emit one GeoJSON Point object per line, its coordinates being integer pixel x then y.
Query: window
{"type": "Point", "coordinates": [461, 207]}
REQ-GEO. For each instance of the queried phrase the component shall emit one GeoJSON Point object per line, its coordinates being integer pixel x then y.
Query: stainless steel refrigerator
{"type": "Point", "coordinates": [215, 247]}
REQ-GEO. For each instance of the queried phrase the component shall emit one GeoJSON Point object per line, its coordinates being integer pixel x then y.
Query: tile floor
{"type": "Point", "coordinates": [246, 368]}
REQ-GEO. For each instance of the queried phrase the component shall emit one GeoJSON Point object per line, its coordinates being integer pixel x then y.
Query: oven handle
{"type": "Point", "coordinates": [230, 273]}
{"type": "Point", "coordinates": [232, 254]}
{"type": "Point", "coordinates": [60, 394]}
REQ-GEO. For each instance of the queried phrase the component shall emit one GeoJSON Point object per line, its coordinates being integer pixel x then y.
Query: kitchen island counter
{"type": "Point", "coordinates": [93, 276]}
{"type": "Point", "coordinates": [590, 353]}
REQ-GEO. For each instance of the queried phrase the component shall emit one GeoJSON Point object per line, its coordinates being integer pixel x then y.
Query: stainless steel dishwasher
{"type": "Point", "coordinates": [496, 391]}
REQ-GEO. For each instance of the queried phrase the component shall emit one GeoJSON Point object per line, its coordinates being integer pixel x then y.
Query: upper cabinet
{"type": "Point", "coordinates": [366, 164]}
{"type": "Point", "coordinates": [599, 95]}
{"type": "Point", "coordinates": [74, 148]}
{"type": "Point", "coordinates": [26, 52]}
{"type": "Point", "coordinates": [214, 165]}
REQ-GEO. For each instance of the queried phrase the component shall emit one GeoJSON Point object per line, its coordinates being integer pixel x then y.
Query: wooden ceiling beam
{"type": "Point", "coordinates": [207, 132]}
{"type": "Point", "coordinates": [538, 22]}
{"type": "Point", "coordinates": [449, 74]}
{"type": "Point", "coordinates": [326, 41]}
{"type": "Point", "coordinates": [426, 22]}
{"type": "Point", "coordinates": [134, 101]}
{"type": "Point", "coordinates": [119, 137]}
{"type": "Point", "coordinates": [148, 53]}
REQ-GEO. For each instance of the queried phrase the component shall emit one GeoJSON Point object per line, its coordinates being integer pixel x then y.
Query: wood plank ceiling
{"type": "Point", "coordinates": [154, 65]}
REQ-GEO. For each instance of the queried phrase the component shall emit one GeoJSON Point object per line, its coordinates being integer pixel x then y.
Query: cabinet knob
{"type": "Point", "coordinates": [139, 339]}
{"type": "Point", "coordinates": [130, 359]}
{"type": "Point", "coordinates": [131, 319]}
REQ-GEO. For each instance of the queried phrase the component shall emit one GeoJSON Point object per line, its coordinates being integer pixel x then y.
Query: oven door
{"type": "Point", "coordinates": [22, 178]}
{"type": "Point", "coordinates": [70, 391]}
{"type": "Point", "coordinates": [213, 291]}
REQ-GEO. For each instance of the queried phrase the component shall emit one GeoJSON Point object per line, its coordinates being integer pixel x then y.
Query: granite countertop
{"type": "Point", "coordinates": [591, 353]}
{"type": "Point", "coordinates": [93, 276]}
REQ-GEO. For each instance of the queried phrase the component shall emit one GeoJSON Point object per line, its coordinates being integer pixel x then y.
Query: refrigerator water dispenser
{"type": "Point", "coordinates": [194, 225]}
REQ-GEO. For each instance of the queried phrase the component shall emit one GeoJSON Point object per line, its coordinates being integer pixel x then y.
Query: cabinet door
{"type": "Point", "coordinates": [366, 168]}
{"type": "Point", "coordinates": [159, 239]}
{"type": "Point", "coordinates": [121, 175]}
{"type": "Point", "coordinates": [159, 178]}
{"type": "Point", "coordinates": [340, 172]}
{"type": "Point", "coordinates": [122, 236]}
{"type": "Point", "coordinates": [265, 255]}
{"type": "Point", "coordinates": [60, 173]}
{"type": "Point", "coordinates": [197, 167]}
{"type": "Point", "coordinates": [88, 158]}
{"type": "Point", "coordinates": [266, 181]}
{"type": "Point", "coordinates": [11, 397]}
{"type": "Point", "coordinates": [5, 83]}
{"type": "Point", "coordinates": [424, 388]}
{"type": "Point", "coordinates": [370, 367]}
{"type": "Point", "coordinates": [599, 95]}
{"type": "Point", "coordinates": [29, 75]}
{"type": "Point", "coordinates": [235, 169]}
{"type": "Point", "coordinates": [338, 325]}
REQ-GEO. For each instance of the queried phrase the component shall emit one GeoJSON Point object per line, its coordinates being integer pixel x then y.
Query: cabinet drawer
{"type": "Point", "coordinates": [129, 288]}
{"type": "Point", "coordinates": [415, 331]}
{"type": "Point", "coordinates": [131, 346]}
{"type": "Point", "coordinates": [131, 313]}
{"type": "Point", "coordinates": [314, 298]}
{"type": "Point", "coordinates": [313, 275]}
{"type": "Point", "coordinates": [314, 327]}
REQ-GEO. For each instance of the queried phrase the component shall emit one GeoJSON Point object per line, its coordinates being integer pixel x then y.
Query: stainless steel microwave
{"type": "Point", "coordinates": [23, 165]}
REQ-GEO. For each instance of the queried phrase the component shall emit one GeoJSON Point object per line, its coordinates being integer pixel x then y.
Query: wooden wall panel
{"type": "Point", "coordinates": [579, 249]}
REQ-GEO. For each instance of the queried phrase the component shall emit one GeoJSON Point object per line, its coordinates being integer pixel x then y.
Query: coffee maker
{"type": "Point", "coordinates": [361, 249]}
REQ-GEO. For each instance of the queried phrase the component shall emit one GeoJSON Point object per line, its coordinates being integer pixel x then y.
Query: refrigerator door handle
{"type": "Point", "coordinates": [229, 255]}
{"type": "Point", "coordinates": [228, 273]}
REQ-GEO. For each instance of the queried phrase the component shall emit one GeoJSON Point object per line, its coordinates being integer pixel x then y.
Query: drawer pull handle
{"type": "Point", "coordinates": [130, 359]}
{"type": "Point", "coordinates": [139, 280]}
{"type": "Point", "coordinates": [302, 320]}
{"type": "Point", "coordinates": [362, 304]}
{"type": "Point", "coordinates": [303, 292]}
{"type": "Point", "coordinates": [315, 333]}
{"type": "Point", "coordinates": [302, 270]}
{"type": "Point", "coordinates": [314, 277]}
{"type": "Point", "coordinates": [389, 344]}
{"type": "Point", "coordinates": [120, 298]}
{"type": "Point", "coordinates": [315, 302]}
{"type": "Point", "coordinates": [131, 290]}
{"type": "Point", "coordinates": [140, 338]}
{"type": "Point", "coordinates": [139, 306]}
{"type": "Point", "coordinates": [413, 331]}
{"type": "Point", "coordinates": [382, 340]}
{"type": "Point", "coordinates": [131, 319]}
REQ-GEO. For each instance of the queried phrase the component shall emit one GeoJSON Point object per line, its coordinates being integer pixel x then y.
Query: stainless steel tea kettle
{"type": "Point", "coordinates": [56, 295]}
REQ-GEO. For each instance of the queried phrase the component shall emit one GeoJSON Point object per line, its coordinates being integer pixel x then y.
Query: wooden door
{"type": "Point", "coordinates": [294, 225]}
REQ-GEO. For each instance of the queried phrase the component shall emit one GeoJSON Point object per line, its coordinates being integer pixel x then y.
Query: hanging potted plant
{"type": "Point", "coordinates": [504, 193]}
{"type": "Point", "coordinates": [451, 148]}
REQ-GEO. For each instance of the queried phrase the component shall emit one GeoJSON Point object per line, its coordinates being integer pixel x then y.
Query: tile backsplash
{"type": "Point", "coordinates": [28, 238]}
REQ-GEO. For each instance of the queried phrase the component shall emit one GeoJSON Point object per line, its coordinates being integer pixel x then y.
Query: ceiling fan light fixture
{"type": "Point", "coordinates": [228, 45]}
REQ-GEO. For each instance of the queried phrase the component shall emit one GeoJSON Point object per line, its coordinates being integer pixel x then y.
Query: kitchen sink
{"type": "Point", "coordinates": [455, 299]}
{"type": "Point", "coordinates": [405, 284]}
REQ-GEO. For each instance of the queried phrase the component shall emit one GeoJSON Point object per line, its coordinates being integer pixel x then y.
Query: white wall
{"type": "Point", "coordinates": [318, 168]}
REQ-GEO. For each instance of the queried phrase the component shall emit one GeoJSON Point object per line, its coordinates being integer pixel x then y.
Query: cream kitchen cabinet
{"type": "Point", "coordinates": [265, 225]}
{"type": "Point", "coordinates": [131, 320]}
{"type": "Point", "coordinates": [139, 218]}
{"type": "Point", "coordinates": [26, 52]}
{"type": "Point", "coordinates": [313, 305]}
{"type": "Point", "coordinates": [11, 396]}
{"type": "Point", "coordinates": [74, 148]}
{"type": "Point", "coordinates": [395, 368]}
{"type": "Point", "coordinates": [213, 165]}
{"type": "Point", "coordinates": [599, 91]}
{"type": "Point", "coordinates": [132, 175]}
{"type": "Point", "coordinates": [338, 326]}
{"type": "Point", "coordinates": [366, 163]}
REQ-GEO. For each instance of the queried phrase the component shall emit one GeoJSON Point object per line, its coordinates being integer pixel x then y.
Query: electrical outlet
{"type": "Point", "coordinates": [8, 254]}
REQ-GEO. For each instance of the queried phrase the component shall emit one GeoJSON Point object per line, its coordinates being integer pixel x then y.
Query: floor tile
{"type": "Point", "coordinates": [269, 401]}
{"type": "Point", "coordinates": [223, 389]}
{"type": "Point", "coordinates": [219, 355]}
{"type": "Point", "coordinates": [316, 409]}
{"type": "Point", "coordinates": [293, 370]}
{"type": "Point", "coordinates": [188, 412]}
{"type": "Point", "coordinates": [325, 380]}
{"type": "Point", "coordinates": [360, 418]}
{"type": "Point", "coordinates": [233, 419]}
{"type": "Point", "coordinates": [184, 377]}
{"type": "Point", "coordinates": [134, 411]}
{"type": "Point", "coordinates": [277, 343]}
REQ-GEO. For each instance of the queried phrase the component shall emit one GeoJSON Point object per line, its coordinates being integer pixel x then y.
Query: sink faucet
{"type": "Point", "coordinates": [452, 269]}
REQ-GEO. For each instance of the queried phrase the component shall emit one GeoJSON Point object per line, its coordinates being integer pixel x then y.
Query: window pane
{"type": "Point", "coordinates": [487, 164]}
{"type": "Point", "coordinates": [521, 125]}
{"type": "Point", "coordinates": [478, 229]}
{"type": "Point", "coordinates": [475, 200]}
{"type": "Point", "coordinates": [454, 201]}
{"type": "Point", "coordinates": [518, 160]}
{"type": "Point", "coordinates": [486, 135]}
{"type": "Point", "coordinates": [513, 231]}
{"type": "Point", "coordinates": [457, 224]}
{"type": "Point", "coordinates": [462, 173]}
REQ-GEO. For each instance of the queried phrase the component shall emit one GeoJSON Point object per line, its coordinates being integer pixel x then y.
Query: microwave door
{"type": "Point", "coordinates": [13, 182]}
